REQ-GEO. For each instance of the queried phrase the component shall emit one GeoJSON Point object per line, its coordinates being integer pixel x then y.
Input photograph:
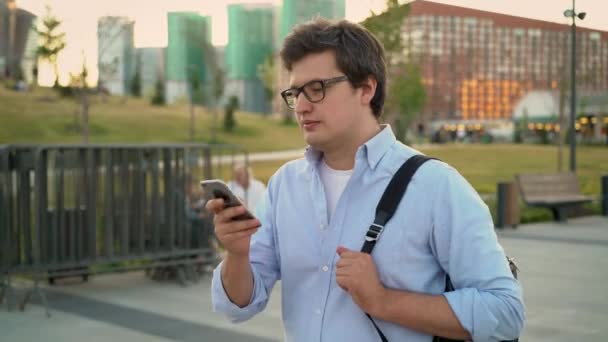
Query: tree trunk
{"type": "Point", "coordinates": [191, 121]}
{"type": "Point", "coordinates": [85, 116]}
{"type": "Point", "coordinates": [56, 70]}
{"type": "Point", "coordinates": [214, 124]}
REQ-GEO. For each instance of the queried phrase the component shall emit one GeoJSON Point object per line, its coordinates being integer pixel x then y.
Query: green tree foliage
{"type": "Point", "coordinates": [229, 118]}
{"type": "Point", "coordinates": [158, 99]}
{"type": "Point", "coordinates": [52, 41]}
{"type": "Point", "coordinates": [405, 91]}
{"type": "Point", "coordinates": [267, 73]}
{"type": "Point", "coordinates": [406, 95]}
{"type": "Point", "coordinates": [136, 81]}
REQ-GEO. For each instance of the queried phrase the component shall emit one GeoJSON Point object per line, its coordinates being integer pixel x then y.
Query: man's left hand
{"type": "Point", "coordinates": [356, 273]}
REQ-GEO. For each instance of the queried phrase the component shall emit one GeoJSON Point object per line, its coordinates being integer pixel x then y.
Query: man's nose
{"type": "Point", "coordinates": [302, 103]}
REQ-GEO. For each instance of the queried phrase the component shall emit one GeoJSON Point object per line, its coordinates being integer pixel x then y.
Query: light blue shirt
{"type": "Point", "coordinates": [441, 226]}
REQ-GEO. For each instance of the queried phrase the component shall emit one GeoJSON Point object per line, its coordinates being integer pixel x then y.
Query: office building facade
{"type": "Point", "coordinates": [250, 43]}
{"type": "Point", "coordinates": [476, 65]}
{"type": "Point", "coordinates": [18, 41]}
{"type": "Point", "coordinates": [115, 54]}
{"type": "Point", "coordinates": [189, 37]}
{"type": "Point", "coordinates": [151, 67]}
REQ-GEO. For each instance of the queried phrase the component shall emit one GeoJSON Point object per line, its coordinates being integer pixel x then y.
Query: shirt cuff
{"type": "Point", "coordinates": [223, 304]}
{"type": "Point", "coordinates": [473, 313]}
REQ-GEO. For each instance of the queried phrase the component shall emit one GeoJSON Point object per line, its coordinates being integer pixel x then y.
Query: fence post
{"type": "Point", "coordinates": [605, 195]}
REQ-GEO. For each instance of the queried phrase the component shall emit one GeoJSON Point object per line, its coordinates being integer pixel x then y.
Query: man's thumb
{"type": "Point", "coordinates": [341, 250]}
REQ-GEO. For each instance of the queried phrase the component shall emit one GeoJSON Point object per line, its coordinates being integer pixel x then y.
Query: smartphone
{"type": "Point", "coordinates": [216, 188]}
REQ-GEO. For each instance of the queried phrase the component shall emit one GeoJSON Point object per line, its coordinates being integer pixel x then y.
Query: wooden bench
{"type": "Point", "coordinates": [557, 191]}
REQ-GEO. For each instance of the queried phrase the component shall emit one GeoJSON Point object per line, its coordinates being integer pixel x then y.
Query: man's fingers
{"type": "Point", "coordinates": [226, 228]}
{"type": "Point", "coordinates": [342, 263]}
{"type": "Point", "coordinates": [229, 213]}
{"type": "Point", "coordinates": [344, 252]}
{"type": "Point", "coordinates": [215, 205]}
{"type": "Point", "coordinates": [342, 282]}
{"type": "Point", "coordinates": [240, 234]}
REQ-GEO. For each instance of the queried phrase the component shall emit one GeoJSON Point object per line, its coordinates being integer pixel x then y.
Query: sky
{"type": "Point", "coordinates": [79, 19]}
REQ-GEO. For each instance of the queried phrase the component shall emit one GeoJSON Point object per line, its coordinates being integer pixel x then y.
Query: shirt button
{"type": "Point", "coordinates": [325, 268]}
{"type": "Point", "coordinates": [318, 311]}
{"type": "Point", "coordinates": [322, 226]}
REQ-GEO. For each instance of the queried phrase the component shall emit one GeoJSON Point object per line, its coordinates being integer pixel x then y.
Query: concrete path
{"type": "Point", "coordinates": [563, 268]}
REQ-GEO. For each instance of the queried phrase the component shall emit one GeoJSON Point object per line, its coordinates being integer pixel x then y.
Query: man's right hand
{"type": "Point", "coordinates": [234, 235]}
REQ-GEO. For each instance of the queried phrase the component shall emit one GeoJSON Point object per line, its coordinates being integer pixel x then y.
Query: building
{"type": "Point", "coordinates": [477, 64]}
{"type": "Point", "coordinates": [18, 41]}
{"type": "Point", "coordinates": [152, 68]}
{"type": "Point", "coordinates": [537, 115]}
{"type": "Point", "coordinates": [250, 43]}
{"type": "Point", "coordinates": [296, 12]}
{"type": "Point", "coordinates": [189, 37]}
{"type": "Point", "coordinates": [115, 54]}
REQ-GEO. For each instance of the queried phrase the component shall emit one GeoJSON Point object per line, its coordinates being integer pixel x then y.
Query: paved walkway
{"type": "Point", "coordinates": [563, 267]}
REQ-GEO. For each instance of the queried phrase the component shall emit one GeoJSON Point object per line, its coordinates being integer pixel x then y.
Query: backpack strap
{"type": "Point", "coordinates": [387, 206]}
{"type": "Point", "coordinates": [390, 199]}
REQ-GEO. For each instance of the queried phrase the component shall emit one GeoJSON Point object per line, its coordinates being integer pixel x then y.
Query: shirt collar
{"type": "Point", "coordinates": [372, 151]}
{"type": "Point", "coordinates": [375, 148]}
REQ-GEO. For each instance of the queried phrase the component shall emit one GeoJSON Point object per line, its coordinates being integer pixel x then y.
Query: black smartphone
{"type": "Point", "coordinates": [216, 188]}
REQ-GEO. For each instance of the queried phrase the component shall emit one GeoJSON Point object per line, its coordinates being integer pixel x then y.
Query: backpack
{"type": "Point", "coordinates": [384, 211]}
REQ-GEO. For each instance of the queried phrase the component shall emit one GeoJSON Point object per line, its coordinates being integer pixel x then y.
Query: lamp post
{"type": "Point", "coordinates": [571, 13]}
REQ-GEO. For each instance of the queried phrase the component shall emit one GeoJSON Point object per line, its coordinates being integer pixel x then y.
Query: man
{"type": "Point", "coordinates": [319, 208]}
{"type": "Point", "coordinates": [246, 187]}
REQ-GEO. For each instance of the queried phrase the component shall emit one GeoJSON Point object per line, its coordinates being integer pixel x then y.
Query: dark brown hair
{"type": "Point", "coordinates": [359, 54]}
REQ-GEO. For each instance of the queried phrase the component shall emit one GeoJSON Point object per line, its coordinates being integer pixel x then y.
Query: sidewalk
{"type": "Point", "coordinates": [563, 268]}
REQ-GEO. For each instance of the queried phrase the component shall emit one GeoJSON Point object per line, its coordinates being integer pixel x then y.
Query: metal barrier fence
{"type": "Point", "coordinates": [76, 210]}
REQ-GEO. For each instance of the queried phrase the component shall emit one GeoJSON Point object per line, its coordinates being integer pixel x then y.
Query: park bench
{"type": "Point", "coordinates": [556, 191]}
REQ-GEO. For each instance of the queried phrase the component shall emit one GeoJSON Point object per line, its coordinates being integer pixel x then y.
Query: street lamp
{"type": "Point", "coordinates": [571, 13]}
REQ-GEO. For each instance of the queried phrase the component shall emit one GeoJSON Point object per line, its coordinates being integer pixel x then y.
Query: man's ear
{"type": "Point", "coordinates": [368, 90]}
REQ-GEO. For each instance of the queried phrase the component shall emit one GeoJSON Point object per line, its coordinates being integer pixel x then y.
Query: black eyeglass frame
{"type": "Point", "coordinates": [324, 84]}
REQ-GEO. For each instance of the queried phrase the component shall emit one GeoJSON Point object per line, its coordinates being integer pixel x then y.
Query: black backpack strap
{"type": "Point", "coordinates": [390, 199]}
{"type": "Point", "coordinates": [387, 206]}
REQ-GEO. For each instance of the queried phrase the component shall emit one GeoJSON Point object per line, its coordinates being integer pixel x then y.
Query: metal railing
{"type": "Point", "coordinates": [81, 209]}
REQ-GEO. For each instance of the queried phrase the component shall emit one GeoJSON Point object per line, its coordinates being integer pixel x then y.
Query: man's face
{"type": "Point", "coordinates": [332, 120]}
{"type": "Point", "coordinates": [242, 177]}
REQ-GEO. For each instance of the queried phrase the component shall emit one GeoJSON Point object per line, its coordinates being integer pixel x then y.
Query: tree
{"type": "Point", "coordinates": [229, 119]}
{"type": "Point", "coordinates": [194, 96]}
{"type": "Point", "coordinates": [159, 93]}
{"type": "Point", "coordinates": [79, 88]}
{"type": "Point", "coordinates": [406, 95]}
{"type": "Point", "coordinates": [268, 74]}
{"type": "Point", "coordinates": [405, 91]}
{"type": "Point", "coordinates": [205, 91]}
{"type": "Point", "coordinates": [136, 81]}
{"type": "Point", "coordinates": [219, 79]}
{"type": "Point", "coordinates": [386, 26]}
{"type": "Point", "coordinates": [51, 41]}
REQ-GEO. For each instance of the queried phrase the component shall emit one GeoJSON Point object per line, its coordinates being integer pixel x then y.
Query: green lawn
{"type": "Point", "coordinates": [486, 165]}
{"type": "Point", "coordinates": [42, 117]}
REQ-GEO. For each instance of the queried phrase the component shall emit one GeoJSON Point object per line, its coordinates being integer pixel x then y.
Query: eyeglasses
{"type": "Point", "coordinates": [313, 90]}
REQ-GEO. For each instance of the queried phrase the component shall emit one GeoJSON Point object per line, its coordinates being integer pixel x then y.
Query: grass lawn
{"type": "Point", "coordinates": [42, 117]}
{"type": "Point", "coordinates": [486, 165]}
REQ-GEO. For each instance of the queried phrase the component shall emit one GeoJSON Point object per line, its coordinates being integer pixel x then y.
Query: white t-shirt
{"type": "Point", "coordinates": [334, 182]}
{"type": "Point", "coordinates": [253, 196]}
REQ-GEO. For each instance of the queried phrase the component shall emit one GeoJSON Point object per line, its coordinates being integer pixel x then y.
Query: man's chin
{"type": "Point", "coordinates": [312, 139]}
